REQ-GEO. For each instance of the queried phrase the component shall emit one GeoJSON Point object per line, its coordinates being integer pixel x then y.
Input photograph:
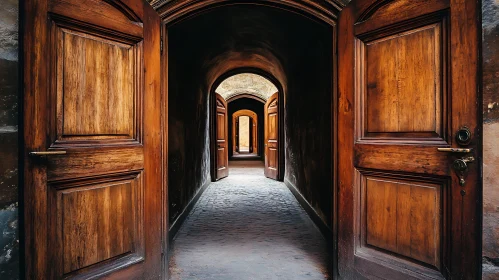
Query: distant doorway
{"type": "Point", "coordinates": [245, 133]}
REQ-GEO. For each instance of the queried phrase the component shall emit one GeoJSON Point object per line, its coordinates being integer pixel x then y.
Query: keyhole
{"type": "Point", "coordinates": [463, 136]}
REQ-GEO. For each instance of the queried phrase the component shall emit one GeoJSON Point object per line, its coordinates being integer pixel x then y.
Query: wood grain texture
{"type": "Point", "coordinates": [271, 129]}
{"type": "Point", "coordinates": [98, 223]}
{"type": "Point", "coordinates": [326, 11]}
{"type": "Point", "coordinates": [222, 138]}
{"type": "Point", "coordinates": [403, 92]}
{"type": "Point", "coordinates": [87, 210]}
{"type": "Point", "coordinates": [405, 218]}
{"type": "Point", "coordinates": [421, 184]}
{"type": "Point", "coordinates": [97, 87]}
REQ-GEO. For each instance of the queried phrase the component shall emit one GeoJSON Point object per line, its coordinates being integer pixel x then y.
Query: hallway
{"type": "Point", "coordinates": [247, 226]}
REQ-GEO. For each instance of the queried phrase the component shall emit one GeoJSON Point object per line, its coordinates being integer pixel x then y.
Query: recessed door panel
{"type": "Point", "coordinates": [403, 84]}
{"type": "Point", "coordinates": [99, 220]}
{"type": "Point", "coordinates": [403, 217]}
{"type": "Point", "coordinates": [97, 87]}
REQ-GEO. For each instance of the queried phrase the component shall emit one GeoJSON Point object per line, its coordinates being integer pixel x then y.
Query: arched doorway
{"type": "Point", "coordinates": [245, 133]}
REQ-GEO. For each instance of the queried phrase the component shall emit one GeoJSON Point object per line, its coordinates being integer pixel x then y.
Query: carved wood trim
{"type": "Point", "coordinates": [326, 11]}
{"type": "Point", "coordinates": [123, 8]}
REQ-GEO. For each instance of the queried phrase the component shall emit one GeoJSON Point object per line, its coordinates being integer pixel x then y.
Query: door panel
{"type": "Point", "coordinates": [88, 204]}
{"type": "Point", "coordinates": [407, 83]}
{"type": "Point", "coordinates": [222, 136]}
{"type": "Point", "coordinates": [271, 137]}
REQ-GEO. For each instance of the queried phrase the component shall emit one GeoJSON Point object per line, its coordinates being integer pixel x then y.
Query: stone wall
{"type": "Point", "coordinates": [490, 11]}
{"type": "Point", "coordinates": [9, 242]}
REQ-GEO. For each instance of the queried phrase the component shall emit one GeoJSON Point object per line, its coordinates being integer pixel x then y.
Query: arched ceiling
{"type": "Point", "coordinates": [246, 83]}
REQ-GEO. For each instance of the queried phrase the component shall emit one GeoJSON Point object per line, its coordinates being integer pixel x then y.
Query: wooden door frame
{"type": "Point", "coordinates": [241, 113]}
{"type": "Point", "coordinates": [212, 104]}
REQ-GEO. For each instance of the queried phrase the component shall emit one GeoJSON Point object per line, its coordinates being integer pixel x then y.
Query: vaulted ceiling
{"type": "Point", "coordinates": [246, 83]}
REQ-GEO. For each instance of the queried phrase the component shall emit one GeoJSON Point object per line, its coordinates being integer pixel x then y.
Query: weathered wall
{"type": "Point", "coordinates": [188, 124]}
{"type": "Point", "coordinates": [490, 12]}
{"type": "Point", "coordinates": [249, 104]}
{"type": "Point", "coordinates": [307, 124]}
{"type": "Point", "coordinates": [9, 243]}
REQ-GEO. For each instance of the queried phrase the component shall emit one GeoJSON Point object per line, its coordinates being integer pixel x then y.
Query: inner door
{"type": "Point", "coordinates": [251, 140]}
{"type": "Point", "coordinates": [222, 136]}
{"type": "Point", "coordinates": [409, 140]}
{"type": "Point", "coordinates": [92, 176]}
{"type": "Point", "coordinates": [271, 137]}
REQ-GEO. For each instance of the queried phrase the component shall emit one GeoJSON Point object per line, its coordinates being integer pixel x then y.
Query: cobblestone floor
{"type": "Point", "coordinates": [248, 227]}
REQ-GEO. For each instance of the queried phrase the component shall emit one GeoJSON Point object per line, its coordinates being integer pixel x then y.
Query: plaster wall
{"type": "Point", "coordinates": [490, 41]}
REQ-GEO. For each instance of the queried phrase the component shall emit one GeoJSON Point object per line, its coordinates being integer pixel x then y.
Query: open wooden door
{"type": "Point", "coordinates": [92, 130]}
{"type": "Point", "coordinates": [271, 137]}
{"type": "Point", "coordinates": [222, 137]}
{"type": "Point", "coordinates": [409, 149]}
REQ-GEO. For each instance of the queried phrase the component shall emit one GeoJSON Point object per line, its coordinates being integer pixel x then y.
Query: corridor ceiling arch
{"type": "Point", "coordinates": [325, 11]}
{"type": "Point", "coordinates": [246, 84]}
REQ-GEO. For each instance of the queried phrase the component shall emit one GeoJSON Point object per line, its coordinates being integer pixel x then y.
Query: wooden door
{"type": "Point", "coordinates": [92, 130]}
{"type": "Point", "coordinates": [236, 131]}
{"type": "Point", "coordinates": [222, 136]}
{"type": "Point", "coordinates": [271, 137]}
{"type": "Point", "coordinates": [408, 87]}
{"type": "Point", "coordinates": [251, 142]}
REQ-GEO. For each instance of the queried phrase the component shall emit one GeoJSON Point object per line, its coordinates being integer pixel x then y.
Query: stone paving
{"type": "Point", "coordinates": [248, 227]}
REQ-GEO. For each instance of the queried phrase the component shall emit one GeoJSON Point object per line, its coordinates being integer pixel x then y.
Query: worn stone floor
{"type": "Point", "coordinates": [247, 226]}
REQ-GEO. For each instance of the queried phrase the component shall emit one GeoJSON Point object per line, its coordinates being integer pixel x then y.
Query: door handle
{"type": "Point", "coordinates": [455, 150]}
{"type": "Point", "coordinates": [47, 153]}
{"type": "Point", "coordinates": [460, 165]}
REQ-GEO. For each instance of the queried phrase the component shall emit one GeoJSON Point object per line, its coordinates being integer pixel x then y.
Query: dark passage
{"type": "Point", "coordinates": [247, 226]}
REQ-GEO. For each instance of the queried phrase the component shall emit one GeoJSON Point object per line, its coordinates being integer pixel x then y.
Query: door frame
{"type": "Point", "coordinates": [241, 113]}
{"type": "Point", "coordinates": [212, 110]}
